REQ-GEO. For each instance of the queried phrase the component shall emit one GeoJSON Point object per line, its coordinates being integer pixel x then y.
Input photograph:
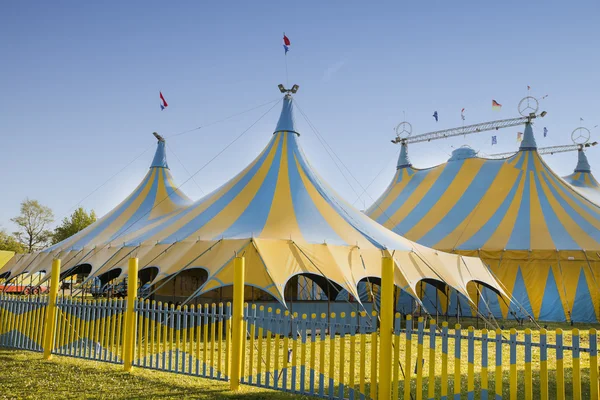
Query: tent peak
{"type": "Point", "coordinates": [528, 142]}
{"type": "Point", "coordinates": [160, 157]}
{"type": "Point", "coordinates": [403, 160]}
{"type": "Point", "coordinates": [286, 121]}
{"type": "Point", "coordinates": [582, 162]}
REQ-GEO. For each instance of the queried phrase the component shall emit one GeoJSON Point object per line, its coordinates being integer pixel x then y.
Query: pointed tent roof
{"type": "Point", "coordinates": [583, 180]}
{"type": "Point", "coordinates": [528, 142]}
{"type": "Point", "coordinates": [286, 220]}
{"type": "Point", "coordinates": [155, 198]}
{"type": "Point", "coordinates": [517, 203]}
{"type": "Point", "coordinates": [403, 160]}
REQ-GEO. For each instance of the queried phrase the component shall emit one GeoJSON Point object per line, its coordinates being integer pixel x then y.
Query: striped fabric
{"type": "Point", "coordinates": [514, 211]}
{"type": "Point", "coordinates": [155, 199]}
{"type": "Point", "coordinates": [278, 211]}
{"type": "Point", "coordinates": [582, 179]}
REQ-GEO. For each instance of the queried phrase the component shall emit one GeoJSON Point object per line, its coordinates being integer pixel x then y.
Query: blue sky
{"type": "Point", "coordinates": [80, 83]}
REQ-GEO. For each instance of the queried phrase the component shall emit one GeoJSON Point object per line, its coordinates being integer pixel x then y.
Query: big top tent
{"type": "Point", "coordinates": [281, 216]}
{"type": "Point", "coordinates": [540, 237]}
{"type": "Point", "coordinates": [155, 198]}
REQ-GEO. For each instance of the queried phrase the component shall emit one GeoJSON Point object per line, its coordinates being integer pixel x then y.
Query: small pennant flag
{"type": "Point", "coordinates": [519, 137]}
{"type": "Point", "coordinates": [580, 119]}
{"type": "Point", "coordinates": [435, 115]}
{"type": "Point", "coordinates": [528, 87]}
{"type": "Point", "coordinates": [494, 140]}
{"type": "Point", "coordinates": [286, 43]}
{"type": "Point", "coordinates": [163, 102]}
{"type": "Point", "coordinates": [496, 106]}
{"type": "Point", "coordinates": [545, 131]}
{"type": "Point", "coordinates": [462, 114]}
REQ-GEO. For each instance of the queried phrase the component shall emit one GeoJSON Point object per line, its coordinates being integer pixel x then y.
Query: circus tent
{"type": "Point", "coordinates": [539, 236]}
{"type": "Point", "coordinates": [284, 219]}
{"type": "Point", "coordinates": [582, 179]}
{"type": "Point", "coordinates": [154, 199]}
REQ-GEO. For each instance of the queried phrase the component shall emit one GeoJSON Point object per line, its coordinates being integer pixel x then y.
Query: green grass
{"type": "Point", "coordinates": [24, 375]}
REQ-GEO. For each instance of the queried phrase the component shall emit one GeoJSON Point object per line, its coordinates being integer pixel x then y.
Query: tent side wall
{"type": "Point", "coordinates": [549, 285]}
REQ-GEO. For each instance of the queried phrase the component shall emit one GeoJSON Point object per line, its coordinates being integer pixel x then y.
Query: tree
{"type": "Point", "coordinates": [32, 222]}
{"type": "Point", "coordinates": [78, 221]}
{"type": "Point", "coordinates": [10, 243]}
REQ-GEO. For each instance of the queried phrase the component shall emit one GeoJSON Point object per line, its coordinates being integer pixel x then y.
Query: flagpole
{"type": "Point", "coordinates": [287, 80]}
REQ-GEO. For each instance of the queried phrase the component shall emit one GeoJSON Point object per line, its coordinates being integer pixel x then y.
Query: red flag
{"type": "Point", "coordinates": [286, 41]}
{"type": "Point", "coordinates": [164, 104]}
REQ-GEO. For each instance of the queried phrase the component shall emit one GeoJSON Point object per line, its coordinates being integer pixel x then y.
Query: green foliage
{"type": "Point", "coordinates": [78, 221]}
{"type": "Point", "coordinates": [10, 243]}
{"type": "Point", "coordinates": [32, 223]}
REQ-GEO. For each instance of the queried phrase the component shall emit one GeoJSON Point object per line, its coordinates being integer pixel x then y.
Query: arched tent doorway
{"type": "Point", "coordinates": [73, 276]}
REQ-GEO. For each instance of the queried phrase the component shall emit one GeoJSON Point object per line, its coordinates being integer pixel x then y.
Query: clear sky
{"type": "Point", "coordinates": [80, 83]}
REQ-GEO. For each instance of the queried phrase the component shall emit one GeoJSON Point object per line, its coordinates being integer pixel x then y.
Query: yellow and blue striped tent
{"type": "Point", "coordinates": [582, 179]}
{"type": "Point", "coordinates": [287, 222]}
{"type": "Point", "coordinates": [539, 236]}
{"type": "Point", "coordinates": [155, 199]}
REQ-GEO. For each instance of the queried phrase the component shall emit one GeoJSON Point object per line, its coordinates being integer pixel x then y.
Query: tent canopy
{"type": "Point", "coordinates": [538, 234]}
{"type": "Point", "coordinates": [582, 179]}
{"type": "Point", "coordinates": [154, 199]}
{"type": "Point", "coordinates": [283, 217]}
{"type": "Point", "coordinates": [470, 203]}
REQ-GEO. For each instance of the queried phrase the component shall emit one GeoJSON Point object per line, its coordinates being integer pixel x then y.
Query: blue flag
{"type": "Point", "coordinates": [435, 115]}
{"type": "Point", "coordinates": [494, 140]}
{"type": "Point", "coordinates": [545, 131]}
{"type": "Point", "coordinates": [286, 43]}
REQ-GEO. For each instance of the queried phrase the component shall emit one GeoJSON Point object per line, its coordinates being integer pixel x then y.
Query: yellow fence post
{"type": "Point", "coordinates": [237, 318]}
{"type": "Point", "coordinates": [528, 372]}
{"type": "Point", "coordinates": [576, 365]}
{"type": "Point", "coordinates": [593, 364]}
{"type": "Point", "coordinates": [543, 365]}
{"type": "Point", "coordinates": [444, 383]}
{"type": "Point", "coordinates": [560, 372]}
{"type": "Point", "coordinates": [129, 345]}
{"type": "Point", "coordinates": [457, 359]}
{"type": "Point", "coordinates": [387, 323]}
{"type": "Point", "coordinates": [51, 310]}
{"type": "Point", "coordinates": [512, 381]}
{"type": "Point", "coordinates": [408, 358]}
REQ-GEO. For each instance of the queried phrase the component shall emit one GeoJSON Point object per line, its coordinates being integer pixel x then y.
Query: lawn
{"type": "Point", "coordinates": [337, 366]}
{"type": "Point", "coordinates": [24, 375]}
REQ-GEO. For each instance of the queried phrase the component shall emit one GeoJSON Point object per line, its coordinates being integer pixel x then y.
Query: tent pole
{"type": "Point", "coordinates": [457, 308]}
{"type": "Point", "coordinates": [477, 305]}
{"type": "Point", "coordinates": [447, 301]}
{"type": "Point", "coordinates": [422, 297]}
{"type": "Point", "coordinates": [437, 311]}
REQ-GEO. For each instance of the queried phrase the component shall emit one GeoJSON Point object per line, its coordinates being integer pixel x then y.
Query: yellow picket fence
{"type": "Point", "coordinates": [351, 355]}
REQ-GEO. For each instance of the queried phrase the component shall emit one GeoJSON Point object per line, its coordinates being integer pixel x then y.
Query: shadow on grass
{"type": "Point", "coordinates": [26, 376]}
